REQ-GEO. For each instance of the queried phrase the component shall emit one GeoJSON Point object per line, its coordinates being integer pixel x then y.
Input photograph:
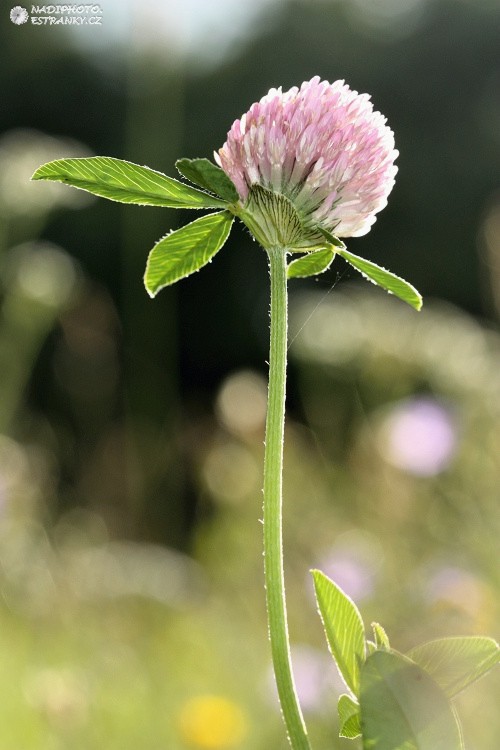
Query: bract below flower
{"type": "Point", "coordinates": [315, 155]}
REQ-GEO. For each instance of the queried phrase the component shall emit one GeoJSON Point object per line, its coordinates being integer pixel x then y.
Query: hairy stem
{"type": "Point", "coordinates": [273, 470]}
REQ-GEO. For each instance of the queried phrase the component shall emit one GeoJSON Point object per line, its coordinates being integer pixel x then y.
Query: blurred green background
{"type": "Point", "coordinates": [131, 430]}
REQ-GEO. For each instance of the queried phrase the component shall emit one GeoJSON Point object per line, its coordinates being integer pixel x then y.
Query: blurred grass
{"type": "Point", "coordinates": [111, 643]}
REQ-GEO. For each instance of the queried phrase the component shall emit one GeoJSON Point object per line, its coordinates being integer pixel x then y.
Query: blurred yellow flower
{"type": "Point", "coordinates": [212, 722]}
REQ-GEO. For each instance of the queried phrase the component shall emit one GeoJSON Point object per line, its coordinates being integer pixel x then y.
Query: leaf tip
{"type": "Point", "coordinates": [150, 288]}
{"type": "Point", "coordinates": [316, 574]}
{"type": "Point", "coordinates": [416, 303]}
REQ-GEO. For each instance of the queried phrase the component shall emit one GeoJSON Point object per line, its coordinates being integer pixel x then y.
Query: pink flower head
{"type": "Point", "coordinates": [321, 146]}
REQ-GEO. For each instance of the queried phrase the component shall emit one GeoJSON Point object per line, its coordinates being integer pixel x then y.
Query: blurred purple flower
{"type": "Point", "coordinates": [353, 576]}
{"type": "Point", "coordinates": [419, 436]}
{"type": "Point", "coordinates": [323, 147]}
{"type": "Point", "coordinates": [456, 587]}
{"type": "Point", "coordinates": [353, 562]}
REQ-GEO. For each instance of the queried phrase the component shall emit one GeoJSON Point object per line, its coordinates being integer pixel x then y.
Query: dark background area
{"type": "Point", "coordinates": [438, 86]}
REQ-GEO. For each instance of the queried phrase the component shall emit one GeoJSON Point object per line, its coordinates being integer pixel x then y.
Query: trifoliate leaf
{"type": "Point", "coordinates": [186, 250]}
{"type": "Point", "coordinates": [349, 718]}
{"type": "Point", "coordinates": [207, 175]}
{"type": "Point", "coordinates": [454, 663]}
{"type": "Point", "coordinates": [402, 708]}
{"type": "Point", "coordinates": [311, 264]}
{"type": "Point", "coordinates": [125, 182]}
{"type": "Point", "coordinates": [343, 627]}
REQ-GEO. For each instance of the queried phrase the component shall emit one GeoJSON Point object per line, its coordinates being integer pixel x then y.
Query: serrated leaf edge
{"type": "Point", "coordinates": [153, 293]}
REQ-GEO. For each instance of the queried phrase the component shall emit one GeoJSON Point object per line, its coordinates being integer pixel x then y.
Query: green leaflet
{"type": "Point", "coordinates": [402, 708]}
{"type": "Point", "coordinates": [387, 280]}
{"type": "Point", "coordinates": [207, 175]}
{"type": "Point", "coordinates": [404, 701]}
{"type": "Point", "coordinates": [343, 627]}
{"type": "Point", "coordinates": [454, 663]}
{"type": "Point", "coordinates": [381, 638]}
{"type": "Point", "coordinates": [311, 264]}
{"type": "Point", "coordinates": [125, 182]}
{"type": "Point", "coordinates": [378, 275]}
{"type": "Point", "coordinates": [186, 250]}
{"type": "Point", "coordinates": [349, 718]}
{"type": "Point", "coordinates": [332, 239]}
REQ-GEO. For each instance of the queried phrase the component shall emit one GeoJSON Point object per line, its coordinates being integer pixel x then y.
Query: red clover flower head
{"type": "Point", "coordinates": [323, 148]}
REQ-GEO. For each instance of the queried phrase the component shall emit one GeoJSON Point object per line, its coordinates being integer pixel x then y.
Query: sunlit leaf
{"type": "Point", "coordinates": [402, 708]}
{"type": "Point", "coordinates": [207, 175]}
{"type": "Point", "coordinates": [343, 627]}
{"type": "Point", "coordinates": [125, 182]}
{"type": "Point", "coordinates": [454, 663]}
{"type": "Point", "coordinates": [387, 280]}
{"type": "Point", "coordinates": [311, 264]}
{"type": "Point", "coordinates": [186, 250]}
{"type": "Point", "coordinates": [349, 718]}
{"type": "Point", "coordinates": [381, 638]}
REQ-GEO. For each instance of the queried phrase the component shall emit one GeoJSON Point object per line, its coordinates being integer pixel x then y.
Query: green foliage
{"type": "Point", "coordinates": [454, 663]}
{"type": "Point", "coordinates": [384, 278]}
{"type": "Point", "coordinates": [403, 700]}
{"type": "Point", "coordinates": [207, 175]}
{"type": "Point", "coordinates": [381, 639]}
{"type": "Point", "coordinates": [402, 708]}
{"type": "Point", "coordinates": [332, 238]}
{"type": "Point", "coordinates": [343, 628]}
{"type": "Point", "coordinates": [376, 274]}
{"type": "Point", "coordinates": [125, 182]}
{"type": "Point", "coordinates": [186, 250]}
{"type": "Point", "coordinates": [311, 264]}
{"type": "Point", "coordinates": [349, 717]}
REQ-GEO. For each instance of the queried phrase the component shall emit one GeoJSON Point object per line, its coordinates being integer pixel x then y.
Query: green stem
{"type": "Point", "coordinates": [273, 470]}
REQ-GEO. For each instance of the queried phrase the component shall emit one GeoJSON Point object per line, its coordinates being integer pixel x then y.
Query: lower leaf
{"type": "Point", "coordinates": [455, 663]}
{"type": "Point", "coordinates": [381, 638]}
{"type": "Point", "coordinates": [402, 708]}
{"type": "Point", "coordinates": [343, 627]}
{"type": "Point", "coordinates": [350, 724]}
